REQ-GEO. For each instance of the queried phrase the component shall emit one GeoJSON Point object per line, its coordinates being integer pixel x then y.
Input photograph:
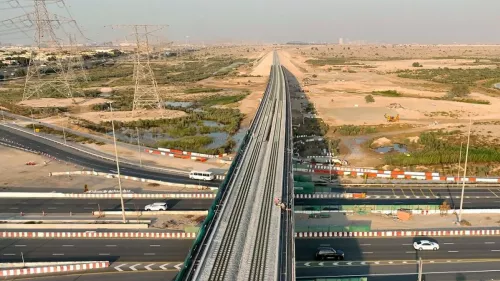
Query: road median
{"type": "Point", "coordinates": [98, 235]}
{"type": "Point", "coordinates": [399, 233]}
{"type": "Point", "coordinates": [54, 269]}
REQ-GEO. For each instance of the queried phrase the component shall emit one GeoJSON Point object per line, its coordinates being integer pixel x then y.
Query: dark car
{"type": "Point", "coordinates": [326, 253]}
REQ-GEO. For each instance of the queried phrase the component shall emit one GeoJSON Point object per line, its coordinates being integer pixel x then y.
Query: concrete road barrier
{"type": "Point", "coordinates": [55, 195]}
{"type": "Point", "coordinates": [99, 235]}
{"type": "Point", "coordinates": [73, 226]}
{"type": "Point", "coordinates": [54, 269]}
{"type": "Point", "coordinates": [12, 265]}
{"type": "Point", "coordinates": [149, 213]}
{"type": "Point", "coordinates": [400, 233]}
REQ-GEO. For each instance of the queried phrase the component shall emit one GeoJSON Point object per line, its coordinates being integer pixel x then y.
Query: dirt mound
{"type": "Point", "coordinates": [127, 116]}
{"type": "Point", "coordinates": [51, 102]}
{"type": "Point", "coordinates": [381, 142]}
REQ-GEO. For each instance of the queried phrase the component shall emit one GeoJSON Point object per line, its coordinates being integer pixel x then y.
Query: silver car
{"type": "Point", "coordinates": [425, 245]}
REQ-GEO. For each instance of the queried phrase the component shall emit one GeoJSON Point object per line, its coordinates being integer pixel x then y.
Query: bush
{"type": "Point", "coordinates": [459, 91]}
{"type": "Point", "coordinates": [369, 99]}
{"type": "Point", "coordinates": [416, 64]}
{"type": "Point", "coordinates": [388, 93]}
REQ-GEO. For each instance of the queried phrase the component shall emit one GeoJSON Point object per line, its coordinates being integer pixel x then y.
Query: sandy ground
{"type": "Point", "coordinates": [382, 222]}
{"type": "Point", "coordinates": [176, 222]}
{"type": "Point", "coordinates": [264, 66]}
{"type": "Point", "coordinates": [22, 175]}
{"type": "Point", "coordinates": [51, 102]}
{"type": "Point", "coordinates": [127, 116]}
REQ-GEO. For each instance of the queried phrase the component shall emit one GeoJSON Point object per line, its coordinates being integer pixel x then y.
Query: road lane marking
{"type": "Point", "coordinates": [159, 245]}
{"type": "Point", "coordinates": [452, 252]}
{"type": "Point", "coordinates": [148, 267]}
{"type": "Point", "coordinates": [9, 254]}
{"type": "Point", "coordinates": [14, 208]}
{"type": "Point", "coordinates": [110, 245]}
{"type": "Point", "coordinates": [52, 208]}
{"type": "Point", "coordinates": [410, 252]}
{"type": "Point", "coordinates": [495, 250]}
{"type": "Point", "coordinates": [58, 254]}
{"type": "Point", "coordinates": [402, 191]}
{"type": "Point", "coordinates": [413, 192]}
{"type": "Point", "coordinates": [489, 242]}
{"type": "Point", "coordinates": [448, 243]}
{"type": "Point", "coordinates": [68, 245]}
{"type": "Point", "coordinates": [104, 254]}
{"type": "Point", "coordinates": [493, 192]}
{"type": "Point", "coordinates": [133, 267]}
{"type": "Point", "coordinates": [367, 252]}
{"type": "Point", "coordinates": [423, 194]}
{"type": "Point", "coordinates": [149, 254]}
{"type": "Point", "coordinates": [432, 192]}
{"type": "Point", "coordinates": [87, 208]}
{"type": "Point", "coordinates": [365, 244]}
{"type": "Point", "coordinates": [118, 267]}
{"type": "Point", "coordinates": [406, 244]}
{"type": "Point", "coordinates": [19, 245]}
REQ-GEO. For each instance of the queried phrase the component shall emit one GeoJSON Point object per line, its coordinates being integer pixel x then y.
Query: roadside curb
{"type": "Point", "coordinates": [401, 233]}
{"type": "Point", "coordinates": [149, 213]}
{"type": "Point", "coordinates": [54, 269]}
{"type": "Point", "coordinates": [93, 234]}
{"type": "Point", "coordinates": [105, 195]}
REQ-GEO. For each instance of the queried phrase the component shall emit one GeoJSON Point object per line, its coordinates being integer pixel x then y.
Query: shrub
{"type": "Point", "coordinates": [459, 91]}
{"type": "Point", "coordinates": [388, 93]}
{"type": "Point", "coordinates": [369, 99]}
{"type": "Point", "coordinates": [416, 64]}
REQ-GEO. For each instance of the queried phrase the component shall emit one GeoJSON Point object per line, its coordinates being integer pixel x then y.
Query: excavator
{"type": "Point", "coordinates": [391, 118]}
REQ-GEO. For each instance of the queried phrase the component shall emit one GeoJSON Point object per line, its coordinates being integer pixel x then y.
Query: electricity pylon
{"type": "Point", "coordinates": [75, 61]}
{"type": "Point", "coordinates": [146, 89]}
{"type": "Point", "coordinates": [59, 78]}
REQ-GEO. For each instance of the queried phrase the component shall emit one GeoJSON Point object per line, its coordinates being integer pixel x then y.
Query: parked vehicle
{"type": "Point", "coordinates": [425, 245]}
{"type": "Point", "coordinates": [325, 253]}
{"type": "Point", "coordinates": [159, 206]}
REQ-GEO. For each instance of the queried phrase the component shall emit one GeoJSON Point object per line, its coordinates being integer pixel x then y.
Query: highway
{"type": "Point", "coordinates": [14, 205]}
{"type": "Point", "coordinates": [123, 250]}
{"type": "Point", "coordinates": [242, 242]}
{"type": "Point", "coordinates": [379, 249]}
{"type": "Point", "coordinates": [109, 276]}
{"type": "Point", "coordinates": [492, 192]}
{"type": "Point", "coordinates": [439, 271]}
{"type": "Point", "coordinates": [73, 156]}
{"type": "Point", "coordinates": [469, 203]}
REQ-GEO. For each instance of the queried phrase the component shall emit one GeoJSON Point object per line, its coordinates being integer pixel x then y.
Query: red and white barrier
{"type": "Point", "coordinates": [159, 235]}
{"type": "Point", "coordinates": [188, 153]}
{"type": "Point", "coordinates": [400, 233]}
{"type": "Point", "coordinates": [54, 269]}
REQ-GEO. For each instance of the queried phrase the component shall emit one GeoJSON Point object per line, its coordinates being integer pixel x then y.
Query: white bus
{"type": "Point", "coordinates": [197, 175]}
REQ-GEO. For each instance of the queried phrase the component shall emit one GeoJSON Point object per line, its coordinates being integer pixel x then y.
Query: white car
{"type": "Point", "coordinates": [159, 206]}
{"type": "Point", "coordinates": [426, 245]}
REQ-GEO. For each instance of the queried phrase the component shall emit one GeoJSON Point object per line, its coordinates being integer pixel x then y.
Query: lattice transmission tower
{"type": "Point", "coordinates": [146, 89]}
{"type": "Point", "coordinates": [58, 78]}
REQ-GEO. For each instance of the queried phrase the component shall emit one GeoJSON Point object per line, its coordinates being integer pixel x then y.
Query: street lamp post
{"type": "Point", "coordinates": [139, 146]}
{"type": "Point", "coordinates": [465, 173]}
{"type": "Point", "coordinates": [32, 121]}
{"type": "Point", "coordinates": [459, 163]}
{"type": "Point", "coordinates": [117, 165]}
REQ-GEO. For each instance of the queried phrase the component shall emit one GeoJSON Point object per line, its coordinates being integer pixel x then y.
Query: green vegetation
{"type": "Point", "coordinates": [459, 91]}
{"type": "Point", "coordinates": [416, 64]}
{"type": "Point", "coordinates": [388, 93]}
{"type": "Point", "coordinates": [331, 61]}
{"type": "Point", "coordinates": [369, 99]}
{"type": "Point", "coordinates": [220, 100]}
{"type": "Point", "coordinates": [353, 130]}
{"type": "Point", "coordinates": [69, 136]}
{"type": "Point", "coordinates": [202, 90]}
{"type": "Point", "coordinates": [435, 148]}
{"type": "Point", "coordinates": [197, 143]}
{"type": "Point", "coordinates": [475, 101]}
{"type": "Point", "coordinates": [452, 76]}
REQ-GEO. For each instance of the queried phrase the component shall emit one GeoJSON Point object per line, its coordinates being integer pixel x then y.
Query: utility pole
{"type": "Point", "coordinates": [465, 173]}
{"type": "Point", "coordinates": [32, 121]}
{"type": "Point", "coordinates": [64, 134]}
{"type": "Point", "coordinates": [459, 162]}
{"type": "Point", "coordinates": [117, 165]}
{"type": "Point", "coordinates": [139, 146]}
{"type": "Point", "coordinates": [3, 117]}
{"type": "Point", "coordinates": [420, 268]}
{"type": "Point", "coordinates": [146, 89]}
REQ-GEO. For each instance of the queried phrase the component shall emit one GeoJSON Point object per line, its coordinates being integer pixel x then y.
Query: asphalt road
{"type": "Point", "coordinates": [85, 160]}
{"type": "Point", "coordinates": [469, 203]}
{"type": "Point", "coordinates": [123, 250]}
{"type": "Point", "coordinates": [378, 249]}
{"type": "Point", "coordinates": [108, 276]}
{"type": "Point", "coordinates": [455, 271]}
{"type": "Point", "coordinates": [423, 192]}
{"type": "Point", "coordinates": [13, 205]}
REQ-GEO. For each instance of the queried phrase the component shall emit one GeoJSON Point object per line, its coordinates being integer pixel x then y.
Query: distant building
{"type": "Point", "coordinates": [341, 41]}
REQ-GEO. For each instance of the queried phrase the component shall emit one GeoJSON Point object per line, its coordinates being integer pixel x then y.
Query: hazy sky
{"type": "Point", "coordinates": [390, 21]}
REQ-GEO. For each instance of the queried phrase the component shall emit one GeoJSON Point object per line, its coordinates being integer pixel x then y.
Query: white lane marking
{"type": "Point", "coordinates": [52, 208]}
{"type": "Point", "coordinates": [14, 208]}
{"type": "Point", "coordinates": [104, 254]}
{"type": "Point", "coordinates": [110, 245]}
{"type": "Point", "coordinates": [87, 208]}
{"type": "Point", "coordinates": [154, 245]}
{"type": "Point", "coordinates": [148, 267]}
{"type": "Point", "coordinates": [495, 250]}
{"type": "Point", "coordinates": [365, 244]}
{"type": "Point", "coordinates": [149, 254]}
{"type": "Point", "coordinates": [448, 243]}
{"type": "Point", "coordinates": [406, 244]}
{"type": "Point", "coordinates": [118, 267]}
{"type": "Point", "coordinates": [163, 266]}
{"type": "Point", "coordinates": [452, 251]}
{"type": "Point", "coordinates": [367, 252]}
{"type": "Point", "coordinates": [489, 242]}
{"type": "Point", "coordinates": [9, 254]}
{"type": "Point", "coordinates": [410, 252]}
{"type": "Point", "coordinates": [68, 245]}
{"type": "Point", "coordinates": [178, 266]}
{"type": "Point", "coordinates": [133, 267]}
{"type": "Point", "coordinates": [19, 245]}
{"type": "Point", "coordinates": [58, 254]}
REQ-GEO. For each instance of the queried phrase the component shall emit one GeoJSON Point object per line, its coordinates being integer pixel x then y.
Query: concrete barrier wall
{"type": "Point", "coordinates": [11, 265]}
{"type": "Point", "coordinates": [105, 195]}
{"type": "Point", "coordinates": [93, 234]}
{"type": "Point", "coordinates": [149, 213]}
{"type": "Point", "coordinates": [401, 233]}
{"type": "Point", "coordinates": [415, 212]}
{"type": "Point", "coordinates": [112, 176]}
{"type": "Point", "coordinates": [54, 269]}
{"type": "Point", "coordinates": [72, 226]}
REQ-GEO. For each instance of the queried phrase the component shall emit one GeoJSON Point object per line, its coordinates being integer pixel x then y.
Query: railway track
{"type": "Point", "coordinates": [246, 219]}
